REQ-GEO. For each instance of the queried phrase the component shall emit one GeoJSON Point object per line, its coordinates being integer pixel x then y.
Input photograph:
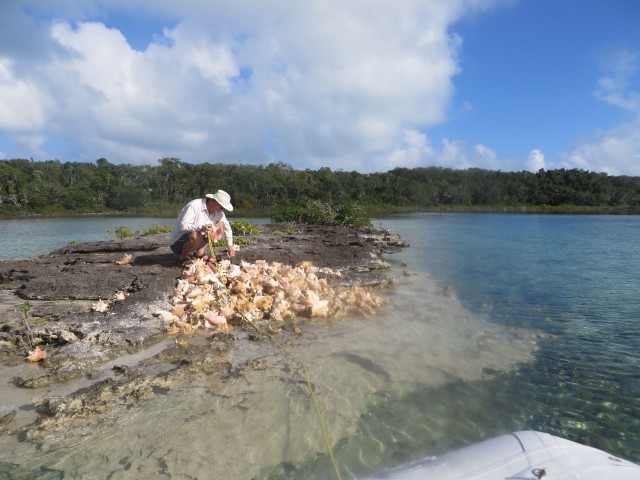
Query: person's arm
{"type": "Point", "coordinates": [228, 234]}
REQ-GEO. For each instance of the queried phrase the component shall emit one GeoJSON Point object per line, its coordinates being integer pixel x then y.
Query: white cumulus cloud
{"type": "Point", "coordinates": [23, 104]}
{"type": "Point", "coordinates": [314, 83]}
{"type": "Point", "coordinates": [614, 151]}
{"type": "Point", "coordinates": [417, 151]}
{"type": "Point", "coordinates": [613, 88]}
{"type": "Point", "coordinates": [535, 160]}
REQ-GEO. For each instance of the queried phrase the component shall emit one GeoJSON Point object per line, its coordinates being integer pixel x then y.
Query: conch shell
{"type": "Point", "coordinates": [121, 295]}
{"type": "Point", "coordinates": [100, 306]}
{"type": "Point", "coordinates": [179, 308]}
{"type": "Point", "coordinates": [125, 260]}
{"type": "Point", "coordinates": [227, 311]}
{"type": "Point", "coordinates": [37, 355]}
{"type": "Point", "coordinates": [217, 231]}
{"type": "Point", "coordinates": [213, 319]}
{"type": "Point", "coordinates": [260, 290]}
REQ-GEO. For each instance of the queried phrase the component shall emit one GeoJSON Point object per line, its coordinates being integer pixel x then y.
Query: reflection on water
{"type": "Point", "coordinates": [385, 386]}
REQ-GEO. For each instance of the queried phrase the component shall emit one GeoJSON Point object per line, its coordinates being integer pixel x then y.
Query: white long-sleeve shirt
{"type": "Point", "coordinates": [194, 216]}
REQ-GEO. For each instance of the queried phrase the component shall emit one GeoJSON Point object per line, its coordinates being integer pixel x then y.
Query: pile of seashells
{"type": "Point", "coordinates": [214, 295]}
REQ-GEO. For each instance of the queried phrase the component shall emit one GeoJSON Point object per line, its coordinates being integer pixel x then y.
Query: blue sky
{"type": "Point", "coordinates": [360, 85]}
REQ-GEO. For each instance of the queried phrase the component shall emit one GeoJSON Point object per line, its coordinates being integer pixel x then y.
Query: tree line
{"type": "Point", "coordinates": [52, 186]}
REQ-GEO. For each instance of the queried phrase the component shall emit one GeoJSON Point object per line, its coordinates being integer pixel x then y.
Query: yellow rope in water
{"type": "Point", "coordinates": [307, 378]}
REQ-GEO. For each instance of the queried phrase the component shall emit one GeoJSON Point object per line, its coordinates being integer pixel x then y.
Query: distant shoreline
{"type": "Point", "coordinates": [372, 212]}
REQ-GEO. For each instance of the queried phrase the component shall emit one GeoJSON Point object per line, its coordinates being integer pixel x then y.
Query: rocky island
{"type": "Point", "coordinates": [96, 360]}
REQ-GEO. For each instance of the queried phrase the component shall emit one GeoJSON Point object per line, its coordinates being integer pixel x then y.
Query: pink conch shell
{"type": "Point", "coordinates": [245, 306]}
{"type": "Point", "coordinates": [37, 355]}
{"type": "Point", "coordinates": [120, 295]}
{"type": "Point", "coordinates": [199, 305]}
{"type": "Point", "coordinates": [125, 260]}
{"type": "Point", "coordinates": [213, 319]}
{"type": "Point", "coordinates": [306, 266]}
{"type": "Point", "coordinates": [100, 306]}
{"type": "Point", "coordinates": [178, 308]}
{"type": "Point", "coordinates": [216, 231]}
{"type": "Point", "coordinates": [227, 311]}
{"type": "Point", "coordinates": [263, 302]}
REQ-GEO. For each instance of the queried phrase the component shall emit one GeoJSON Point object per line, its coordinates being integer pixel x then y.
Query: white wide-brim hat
{"type": "Point", "coordinates": [222, 198]}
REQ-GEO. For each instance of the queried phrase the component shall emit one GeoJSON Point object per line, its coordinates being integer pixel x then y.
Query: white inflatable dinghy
{"type": "Point", "coordinates": [520, 455]}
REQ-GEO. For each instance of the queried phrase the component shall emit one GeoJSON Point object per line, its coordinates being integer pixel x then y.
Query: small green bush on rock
{"type": "Point", "coordinates": [242, 227]}
{"type": "Point", "coordinates": [122, 232]}
{"type": "Point", "coordinates": [156, 228]}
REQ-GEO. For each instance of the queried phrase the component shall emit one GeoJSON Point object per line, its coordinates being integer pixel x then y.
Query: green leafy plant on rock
{"type": "Point", "coordinates": [122, 232]}
{"type": "Point", "coordinates": [242, 227]}
{"type": "Point", "coordinates": [155, 229]}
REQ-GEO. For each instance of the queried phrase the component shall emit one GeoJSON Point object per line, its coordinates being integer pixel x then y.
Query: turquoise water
{"type": "Point", "coordinates": [573, 279]}
{"type": "Point", "coordinates": [26, 238]}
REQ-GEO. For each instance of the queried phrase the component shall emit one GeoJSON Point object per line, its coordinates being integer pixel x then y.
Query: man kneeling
{"type": "Point", "coordinates": [200, 219]}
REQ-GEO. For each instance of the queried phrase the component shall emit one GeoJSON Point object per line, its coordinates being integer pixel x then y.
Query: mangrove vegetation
{"type": "Point", "coordinates": [53, 187]}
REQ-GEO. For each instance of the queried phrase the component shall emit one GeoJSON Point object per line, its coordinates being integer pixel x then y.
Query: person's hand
{"type": "Point", "coordinates": [231, 251]}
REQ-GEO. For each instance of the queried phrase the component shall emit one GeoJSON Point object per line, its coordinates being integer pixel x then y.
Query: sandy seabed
{"type": "Point", "coordinates": [259, 422]}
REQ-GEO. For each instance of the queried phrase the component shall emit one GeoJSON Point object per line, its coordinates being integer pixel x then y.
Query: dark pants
{"type": "Point", "coordinates": [178, 245]}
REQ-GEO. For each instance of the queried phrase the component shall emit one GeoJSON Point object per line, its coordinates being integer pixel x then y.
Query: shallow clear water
{"type": "Point", "coordinates": [575, 277]}
{"type": "Point", "coordinates": [24, 238]}
{"type": "Point", "coordinates": [430, 373]}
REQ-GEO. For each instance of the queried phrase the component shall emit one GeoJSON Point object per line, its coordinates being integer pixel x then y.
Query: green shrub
{"type": "Point", "coordinates": [156, 228]}
{"type": "Point", "coordinates": [315, 212]}
{"type": "Point", "coordinates": [242, 227]}
{"type": "Point", "coordinates": [122, 232]}
{"type": "Point", "coordinates": [236, 241]}
{"type": "Point", "coordinates": [351, 214]}
{"type": "Point", "coordinates": [286, 230]}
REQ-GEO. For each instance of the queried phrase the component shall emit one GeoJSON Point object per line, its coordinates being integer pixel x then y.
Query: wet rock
{"type": "Point", "coordinates": [34, 382]}
{"type": "Point", "coordinates": [5, 419]}
{"type": "Point", "coordinates": [55, 336]}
